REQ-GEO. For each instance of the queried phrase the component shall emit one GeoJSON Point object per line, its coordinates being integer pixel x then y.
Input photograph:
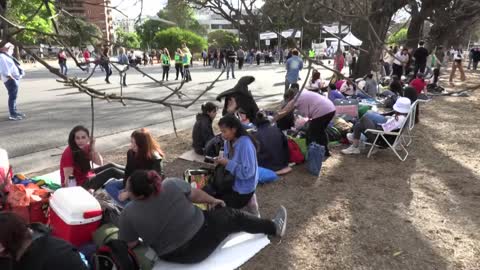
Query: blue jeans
{"type": "Point", "coordinates": [232, 67]}
{"type": "Point", "coordinates": [376, 118]}
{"type": "Point", "coordinates": [63, 69]}
{"type": "Point", "coordinates": [12, 88]}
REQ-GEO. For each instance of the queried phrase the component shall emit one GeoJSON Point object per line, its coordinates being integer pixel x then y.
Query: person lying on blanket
{"type": "Point", "coordinates": [372, 120]}
{"type": "Point", "coordinates": [163, 215]}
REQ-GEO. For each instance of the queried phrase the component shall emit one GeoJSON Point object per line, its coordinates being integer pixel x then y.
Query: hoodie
{"type": "Point", "coordinates": [202, 133]}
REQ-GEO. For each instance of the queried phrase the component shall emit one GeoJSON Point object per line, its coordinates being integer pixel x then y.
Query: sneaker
{"type": "Point", "coordinates": [350, 137]}
{"type": "Point", "coordinates": [15, 118]}
{"type": "Point", "coordinates": [22, 115]}
{"type": "Point", "coordinates": [352, 150]}
{"type": "Point", "coordinates": [280, 221]}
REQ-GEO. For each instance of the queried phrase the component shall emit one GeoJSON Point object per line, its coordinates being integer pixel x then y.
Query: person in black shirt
{"type": "Point", "coordinates": [231, 56]}
{"type": "Point", "coordinates": [24, 247]}
{"type": "Point", "coordinates": [420, 56]}
{"type": "Point", "coordinates": [202, 130]}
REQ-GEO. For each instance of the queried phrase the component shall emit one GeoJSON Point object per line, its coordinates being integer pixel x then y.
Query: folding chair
{"type": "Point", "coordinates": [399, 138]}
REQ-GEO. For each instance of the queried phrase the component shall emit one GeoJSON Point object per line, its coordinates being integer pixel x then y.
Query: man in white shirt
{"type": "Point", "coordinates": [11, 73]}
{"type": "Point", "coordinates": [401, 58]}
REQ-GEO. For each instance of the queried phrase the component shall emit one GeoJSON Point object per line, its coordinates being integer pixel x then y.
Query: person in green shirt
{"type": "Point", "coordinates": [187, 56]}
{"type": "Point", "coordinates": [179, 62]}
{"type": "Point", "coordinates": [165, 63]}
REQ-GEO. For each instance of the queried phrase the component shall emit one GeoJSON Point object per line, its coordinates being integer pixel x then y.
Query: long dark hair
{"type": "Point", "coordinates": [80, 158]}
{"type": "Point", "coordinates": [315, 75]}
{"type": "Point", "coordinates": [230, 121]}
{"type": "Point", "coordinates": [13, 233]}
{"type": "Point", "coordinates": [145, 183]}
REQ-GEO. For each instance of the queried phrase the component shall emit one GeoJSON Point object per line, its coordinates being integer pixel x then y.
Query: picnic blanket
{"type": "Point", "coordinates": [236, 250]}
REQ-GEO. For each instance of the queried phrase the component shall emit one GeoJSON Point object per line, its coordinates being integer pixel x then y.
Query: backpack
{"type": "Point", "coordinates": [295, 154]}
{"type": "Point", "coordinates": [213, 147]}
{"type": "Point", "coordinates": [114, 254]}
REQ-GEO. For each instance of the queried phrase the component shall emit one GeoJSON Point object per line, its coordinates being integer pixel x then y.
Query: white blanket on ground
{"type": "Point", "coordinates": [236, 250]}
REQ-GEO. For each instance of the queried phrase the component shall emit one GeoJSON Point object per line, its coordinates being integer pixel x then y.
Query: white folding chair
{"type": "Point", "coordinates": [398, 145]}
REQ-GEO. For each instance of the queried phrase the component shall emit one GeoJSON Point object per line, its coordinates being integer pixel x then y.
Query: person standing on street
{"type": "Point", "coordinates": [222, 59]}
{"type": "Point", "coordinates": [294, 65]}
{"type": "Point", "coordinates": [231, 56]}
{"type": "Point", "coordinates": [178, 63]}
{"type": "Point", "coordinates": [123, 60]}
{"type": "Point", "coordinates": [241, 58]}
{"type": "Point", "coordinates": [62, 62]}
{"type": "Point", "coordinates": [187, 56]}
{"type": "Point", "coordinates": [86, 58]}
{"type": "Point", "coordinates": [105, 63]}
{"type": "Point", "coordinates": [205, 57]}
{"type": "Point", "coordinates": [420, 56]}
{"type": "Point", "coordinates": [11, 73]}
{"type": "Point", "coordinates": [165, 63]}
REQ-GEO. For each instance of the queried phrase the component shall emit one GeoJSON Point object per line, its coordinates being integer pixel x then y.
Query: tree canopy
{"type": "Point", "coordinates": [172, 38]}
{"type": "Point", "coordinates": [21, 11]}
{"type": "Point", "coordinates": [222, 39]}
{"type": "Point", "coordinates": [127, 40]}
{"type": "Point", "coordinates": [180, 12]}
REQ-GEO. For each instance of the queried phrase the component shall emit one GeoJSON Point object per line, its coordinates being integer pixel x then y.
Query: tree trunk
{"type": "Point", "coordinates": [368, 62]}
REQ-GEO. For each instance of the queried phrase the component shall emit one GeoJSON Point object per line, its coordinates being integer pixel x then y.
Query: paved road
{"type": "Point", "coordinates": [53, 109]}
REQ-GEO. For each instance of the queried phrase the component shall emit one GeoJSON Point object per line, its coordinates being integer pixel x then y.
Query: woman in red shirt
{"type": "Point", "coordinates": [76, 160]}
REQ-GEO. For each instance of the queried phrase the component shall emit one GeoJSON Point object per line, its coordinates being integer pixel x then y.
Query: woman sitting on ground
{"type": "Point", "coordinates": [316, 84]}
{"type": "Point", "coordinates": [273, 145]}
{"type": "Point", "coordinates": [24, 247]}
{"type": "Point", "coordinates": [163, 215]}
{"type": "Point", "coordinates": [202, 130]}
{"type": "Point", "coordinates": [377, 121]}
{"type": "Point", "coordinates": [240, 160]}
{"type": "Point", "coordinates": [347, 88]}
{"type": "Point", "coordinates": [334, 94]}
{"type": "Point", "coordinates": [144, 154]}
{"type": "Point", "coordinates": [76, 158]}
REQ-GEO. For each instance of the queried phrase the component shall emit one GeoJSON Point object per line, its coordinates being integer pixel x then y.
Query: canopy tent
{"type": "Point", "coordinates": [333, 28]}
{"type": "Point", "coordinates": [285, 34]}
{"type": "Point", "coordinates": [351, 39]}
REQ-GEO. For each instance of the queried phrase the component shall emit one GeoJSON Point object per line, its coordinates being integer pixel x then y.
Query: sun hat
{"type": "Point", "coordinates": [402, 105]}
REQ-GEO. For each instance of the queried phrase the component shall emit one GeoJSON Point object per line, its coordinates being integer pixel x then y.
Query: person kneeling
{"type": "Point", "coordinates": [163, 215]}
{"type": "Point", "coordinates": [377, 121]}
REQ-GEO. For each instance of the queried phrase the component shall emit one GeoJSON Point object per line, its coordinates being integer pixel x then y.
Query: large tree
{"type": "Point", "coordinates": [180, 12]}
{"type": "Point", "coordinates": [242, 14]}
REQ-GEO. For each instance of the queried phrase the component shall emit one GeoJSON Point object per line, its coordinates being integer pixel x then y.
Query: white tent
{"type": "Point", "coordinates": [351, 39]}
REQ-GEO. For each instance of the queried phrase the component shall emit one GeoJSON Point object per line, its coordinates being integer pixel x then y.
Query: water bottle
{"type": "Point", "coordinates": [71, 181]}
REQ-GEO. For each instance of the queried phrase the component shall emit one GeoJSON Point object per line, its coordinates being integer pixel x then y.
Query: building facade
{"type": "Point", "coordinates": [213, 22]}
{"type": "Point", "coordinates": [94, 11]}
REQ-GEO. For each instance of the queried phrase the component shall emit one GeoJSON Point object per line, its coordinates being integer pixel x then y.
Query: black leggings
{"type": "Point", "coordinates": [317, 131]}
{"type": "Point", "coordinates": [179, 69]}
{"type": "Point", "coordinates": [231, 198]}
{"type": "Point", "coordinates": [166, 70]}
{"type": "Point", "coordinates": [103, 174]}
{"type": "Point", "coordinates": [217, 226]}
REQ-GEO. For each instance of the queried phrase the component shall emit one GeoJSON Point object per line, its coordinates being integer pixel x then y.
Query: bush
{"type": "Point", "coordinates": [222, 39]}
{"type": "Point", "coordinates": [172, 38]}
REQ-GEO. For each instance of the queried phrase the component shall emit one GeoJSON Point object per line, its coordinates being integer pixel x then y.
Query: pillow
{"type": "Point", "coordinates": [266, 175]}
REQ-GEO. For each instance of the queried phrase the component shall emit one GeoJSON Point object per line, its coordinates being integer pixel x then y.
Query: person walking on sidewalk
{"type": "Point", "coordinates": [165, 63]}
{"type": "Point", "coordinates": [222, 59]}
{"type": "Point", "coordinates": [178, 63]}
{"type": "Point", "coordinates": [11, 73]}
{"type": "Point", "coordinates": [231, 56]}
{"type": "Point", "coordinates": [294, 65]}
{"type": "Point", "coordinates": [86, 58]}
{"type": "Point", "coordinates": [105, 63]}
{"type": "Point", "coordinates": [62, 62]}
{"type": "Point", "coordinates": [205, 57]}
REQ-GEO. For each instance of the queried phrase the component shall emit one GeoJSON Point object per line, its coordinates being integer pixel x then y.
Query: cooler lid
{"type": "Point", "coordinates": [75, 205]}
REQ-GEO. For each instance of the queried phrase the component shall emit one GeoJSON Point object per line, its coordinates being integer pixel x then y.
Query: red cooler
{"type": "Point", "coordinates": [74, 215]}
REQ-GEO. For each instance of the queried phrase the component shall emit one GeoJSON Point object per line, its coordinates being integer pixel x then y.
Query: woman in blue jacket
{"type": "Point", "coordinates": [240, 160]}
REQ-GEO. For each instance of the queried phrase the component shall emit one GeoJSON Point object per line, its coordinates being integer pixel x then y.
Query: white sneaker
{"type": "Point", "coordinates": [352, 150]}
{"type": "Point", "coordinates": [350, 137]}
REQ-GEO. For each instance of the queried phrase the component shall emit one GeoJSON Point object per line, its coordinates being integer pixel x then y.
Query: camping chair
{"type": "Point", "coordinates": [398, 145]}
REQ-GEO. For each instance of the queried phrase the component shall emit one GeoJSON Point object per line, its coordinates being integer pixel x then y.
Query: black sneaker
{"type": "Point", "coordinates": [280, 221]}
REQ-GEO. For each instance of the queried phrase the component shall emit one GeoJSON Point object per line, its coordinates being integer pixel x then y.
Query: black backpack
{"type": "Point", "coordinates": [115, 254]}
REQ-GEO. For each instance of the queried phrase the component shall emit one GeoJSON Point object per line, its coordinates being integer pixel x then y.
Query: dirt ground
{"type": "Point", "coordinates": [378, 213]}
